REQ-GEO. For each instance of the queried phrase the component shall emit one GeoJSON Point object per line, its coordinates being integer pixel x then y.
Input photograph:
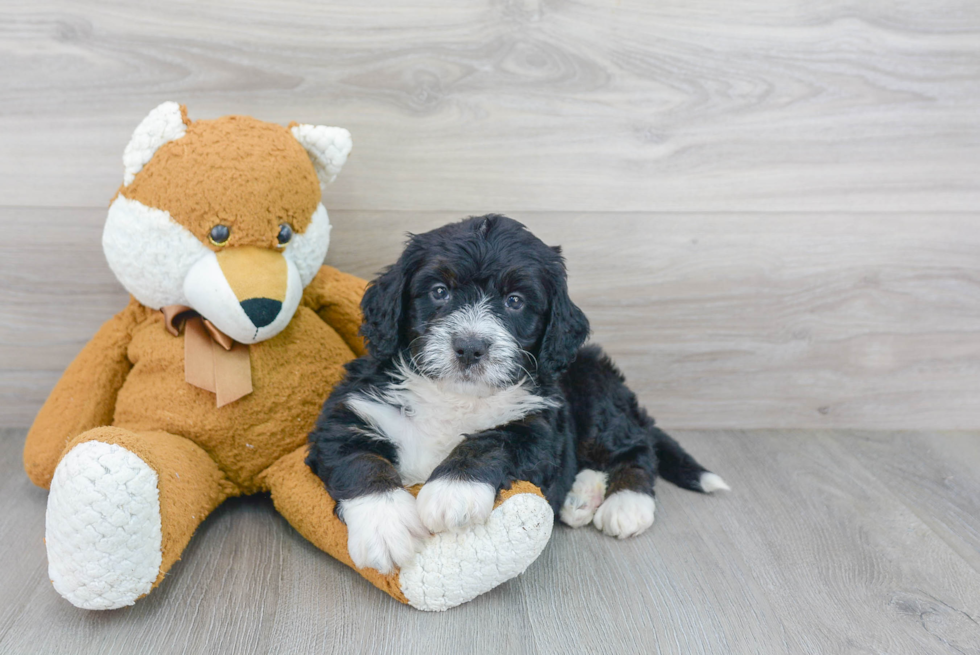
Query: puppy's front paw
{"type": "Point", "coordinates": [445, 504]}
{"type": "Point", "coordinates": [584, 498]}
{"type": "Point", "coordinates": [383, 529]}
{"type": "Point", "coordinates": [625, 514]}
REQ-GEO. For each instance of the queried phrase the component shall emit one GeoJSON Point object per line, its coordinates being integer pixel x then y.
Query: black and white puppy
{"type": "Point", "coordinates": [477, 378]}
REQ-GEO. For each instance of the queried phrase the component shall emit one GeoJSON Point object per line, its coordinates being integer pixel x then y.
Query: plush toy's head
{"type": "Point", "coordinates": [223, 216]}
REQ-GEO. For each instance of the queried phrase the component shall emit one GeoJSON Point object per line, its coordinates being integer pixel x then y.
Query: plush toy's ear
{"type": "Point", "coordinates": [327, 147]}
{"type": "Point", "coordinates": [165, 123]}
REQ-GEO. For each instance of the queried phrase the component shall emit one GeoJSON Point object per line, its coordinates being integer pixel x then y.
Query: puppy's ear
{"type": "Point", "coordinates": [382, 306]}
{"type": "Point", "coordinates": [567, 330]}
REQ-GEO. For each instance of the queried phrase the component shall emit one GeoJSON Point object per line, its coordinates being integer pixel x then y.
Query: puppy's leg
{"type": "Point", "coordinates": [628, 509]}
{"type": "Point", "coordinates": [461, 491]}
{"type": "Point", "coordinates": [451, 505]}
{"type": "Point", "coordinates": [383, 526]}
{"type": "Point", "coordinates": [585, 497]}
{"type": "Point", "coordinates": [383, 529]}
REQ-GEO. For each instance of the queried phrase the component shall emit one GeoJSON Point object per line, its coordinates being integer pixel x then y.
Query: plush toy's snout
{"type": "Point", "coordinates": [259, 278]}
{"type": "Point", "coordinates": [249, 293]}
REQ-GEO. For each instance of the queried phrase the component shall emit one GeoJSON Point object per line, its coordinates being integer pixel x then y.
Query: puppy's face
{"type": "Point", "coordinates": [477, 304]}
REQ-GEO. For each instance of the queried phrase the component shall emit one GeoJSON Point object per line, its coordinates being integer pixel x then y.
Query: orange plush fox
{"type": "Point", "coordinates": [206, 385]}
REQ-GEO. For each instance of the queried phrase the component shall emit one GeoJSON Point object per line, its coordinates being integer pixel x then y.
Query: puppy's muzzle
{"type": "Point", "coordinates": [470, 349]}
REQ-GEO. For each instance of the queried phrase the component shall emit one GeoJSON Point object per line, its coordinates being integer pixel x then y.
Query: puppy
{"type": "Point", "coordinates": [476, 378]}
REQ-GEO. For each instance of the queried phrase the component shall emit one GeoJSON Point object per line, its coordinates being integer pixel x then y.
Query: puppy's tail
{"type": "Point", "coordinates": [677, 466]}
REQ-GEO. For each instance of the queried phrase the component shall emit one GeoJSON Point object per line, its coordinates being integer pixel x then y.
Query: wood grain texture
{"type": "Point", "coordinates": [934, 475]}
{"type": "Point", "coordinates": [521, 104]}
{"type": "Point", "coordinates": [721, 321]}
{"type": "Point", "coordinates": [812, 553]}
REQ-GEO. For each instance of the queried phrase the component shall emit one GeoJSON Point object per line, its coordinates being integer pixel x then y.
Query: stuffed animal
{"type": "Point", "coordinates": [206, 385]}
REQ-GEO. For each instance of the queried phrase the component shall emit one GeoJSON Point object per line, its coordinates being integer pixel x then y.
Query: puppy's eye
{"type": "Point", "coordinates": [439, 293]}
{"type": "Point", "coordinates": [219, 235]}
{"type": "Point", "coordinates": [514, 302]}
{"type": "Point", "coordinates": [285, 234]}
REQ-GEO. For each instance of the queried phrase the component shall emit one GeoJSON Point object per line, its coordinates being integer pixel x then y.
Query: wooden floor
{"type": "Point", "coordinates": [831, 542]}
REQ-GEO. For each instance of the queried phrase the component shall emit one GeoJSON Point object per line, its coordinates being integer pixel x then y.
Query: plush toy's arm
{"type": "Point", "coordinates": [84, 397]}
{"type": "Point", "coordinates": [336, 298]}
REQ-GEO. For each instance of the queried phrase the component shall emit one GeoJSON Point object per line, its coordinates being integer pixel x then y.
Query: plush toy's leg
{"type": "Point", "coordinates": [452, 568]}
{"type": "Point", "coordinates": [122, 507]}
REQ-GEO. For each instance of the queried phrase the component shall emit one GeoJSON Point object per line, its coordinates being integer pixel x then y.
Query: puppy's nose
{"type": "Point", "coordinates": [470, 349]}
{"type": "Point", "coordinates": [261, 311]}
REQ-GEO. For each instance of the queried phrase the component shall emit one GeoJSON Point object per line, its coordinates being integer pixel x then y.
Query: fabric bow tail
{"type": "Point", "coordinates": [213, 361]}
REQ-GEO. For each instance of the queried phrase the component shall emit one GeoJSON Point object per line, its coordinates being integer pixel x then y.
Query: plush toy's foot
{"type": "Point", "coordinates": [103, 528]}
{"type": "Point", "coordinates": [452, 567]}
{"type": "Point", "coordinates": [122, 507]}
{"type": "Point", "coordinates": [456, 567]}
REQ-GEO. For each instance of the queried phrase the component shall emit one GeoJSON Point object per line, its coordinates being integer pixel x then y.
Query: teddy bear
{"type": "Point", "coordinates": [207, 384]}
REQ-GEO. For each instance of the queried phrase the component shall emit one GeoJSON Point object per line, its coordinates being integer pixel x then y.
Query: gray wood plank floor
{"type": "Point", "coordinates": [831, 542]}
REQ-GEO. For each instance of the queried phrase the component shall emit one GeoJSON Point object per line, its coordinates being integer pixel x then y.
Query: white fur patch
{"type": "Point", "coordinates": [711, 482]}
{"type": "Point", "coordinates": [102, 528]}
{"type": "Point", "coordinates": [625, 514]}
{"type": "Point", "coordinates": [456, 567]}
{"type": "Point", "coordinates": [327, 147]}
{"type": "Point", "coordinates": [584, 498]}
{"type": "Point", "coordinates": [208, 292]}
{"type": "Point", "coordinates": [425, 419]}
{"type": "Point", "coordinates": [383, 529]}
{"type": "Point", "coordinates": [164, 123]}
{"type": "Point", "coordinates": [308, 249]}
{"type": "Point", "coordinates": [445, 504]}
{"type": "Point", "coordinates": [149, 252]}
{"type": "Point", "coordinates": [437, 358]}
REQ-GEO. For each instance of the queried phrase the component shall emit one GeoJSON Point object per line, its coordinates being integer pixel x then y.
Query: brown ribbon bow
{"type": "Point", "coordinates": [213, 361]}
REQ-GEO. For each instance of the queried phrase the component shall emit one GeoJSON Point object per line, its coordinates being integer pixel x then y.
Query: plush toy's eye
{"type": "Point", "coordinates": [285, 234]}
{"type": "Point", "coordinates": [219, 235]}
{"type": "Point", "coordinates": [439, 293]}
{"type": "Point", "coordinates": [514, 302]}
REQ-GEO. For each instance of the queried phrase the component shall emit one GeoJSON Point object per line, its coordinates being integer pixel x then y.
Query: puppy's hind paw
{"type": "Point", "coordinates": [452, 505]}
{"type": "Point", "coordinates": [383, 529]}
{"type": "Point", "coordinates": [625, 514]}
{"type": "Point", "coordinates": [584, 498]}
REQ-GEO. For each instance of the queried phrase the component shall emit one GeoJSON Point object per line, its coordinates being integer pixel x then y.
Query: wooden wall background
{"type": "Point", "coordinates": [770, 209]}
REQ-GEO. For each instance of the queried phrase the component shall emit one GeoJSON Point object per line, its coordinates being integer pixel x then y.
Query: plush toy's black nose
{"type": "Point", "coordinates": [261, 311]}
{"type": "Point", "coordinates": [470, 349]}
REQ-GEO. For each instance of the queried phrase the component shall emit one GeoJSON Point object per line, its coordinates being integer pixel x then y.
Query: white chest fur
{"type": "Point", "coordinates": [426, 420]}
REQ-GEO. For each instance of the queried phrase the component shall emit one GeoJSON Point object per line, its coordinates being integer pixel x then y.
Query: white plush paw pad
{"type": "Point", "coordinates": [454, 504]}
{"type": "Point", "coordinates": [625, 514]}
{"type": "Point", "coordinates": [383, 529]}
{"type": "Point", "coordinates": [456, 567]}
{"type": "Point", "coordinates": [584, 499]}
{"type": "Point", "coordinates": [102, 528]}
